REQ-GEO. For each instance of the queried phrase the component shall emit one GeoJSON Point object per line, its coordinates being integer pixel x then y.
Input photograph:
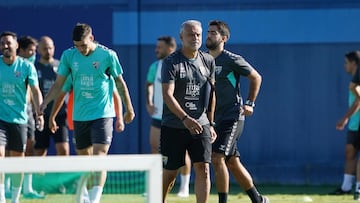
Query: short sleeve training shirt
{"type": "Point", "coordinates": [47, 75]}
{"type": "Point", "coordinates": [354, 120]}
{"type": "Point", "coordinates": [14, 79]}
{"type": "Point", "coordinates": [190, 78]}
{"type": "Point", "coordinates": [154, 77]}
{"type": "Point", "coordinates": [93, 89]}
{"type": "Point", "coordinates": [229, 68]}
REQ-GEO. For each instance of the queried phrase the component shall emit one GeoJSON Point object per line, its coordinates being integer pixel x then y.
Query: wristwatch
{"type": "Point", "coordinates": [212, 124]}
{"type": "Point", "coordinates": [250, 103]}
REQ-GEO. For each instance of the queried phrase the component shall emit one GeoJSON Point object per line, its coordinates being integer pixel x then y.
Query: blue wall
{"type": "Point", "coordinates": [297, 46]}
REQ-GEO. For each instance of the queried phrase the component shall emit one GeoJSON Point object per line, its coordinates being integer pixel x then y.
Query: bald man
{"type": "Point", "coordinates": [46, 68]}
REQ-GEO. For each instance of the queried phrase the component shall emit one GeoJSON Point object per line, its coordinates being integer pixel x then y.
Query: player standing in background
{"type": "Point", "coordinates": [46, 68]}
{"type": "Point", "coordinates": [90, 65]}
{"type": "Point", "coordinates": [27, 50]}
{"type": "Point", "coordinates": [352, 118]}
{"type": "Point", "coordinates": [186, 77]}
{"type": "Point", "coordinates": [165, 46]}
{"type": "Point", "coordinates": [230, 112]}
{"type": "Point", "coordinates": [16, 76]}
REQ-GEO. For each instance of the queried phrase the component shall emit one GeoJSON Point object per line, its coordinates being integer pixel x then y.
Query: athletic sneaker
{"type": "Point", "coordinates": [34, 195]}
{"type": "Point", "coordinates": [339, 191]}
{"type": "Point", "coordinates": [183, 193]}
{"type": "Point", "coordinates": [86, 199]}
{"type": "Point", "coordinates": [265, 199]}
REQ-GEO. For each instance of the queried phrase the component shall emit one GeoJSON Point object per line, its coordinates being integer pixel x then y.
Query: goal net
{"type": "Point", "coordinates": [130, 178]}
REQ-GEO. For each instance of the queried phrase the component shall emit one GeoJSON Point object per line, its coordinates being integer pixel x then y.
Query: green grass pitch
{"type": "Point", "coordinates": [276, 193]}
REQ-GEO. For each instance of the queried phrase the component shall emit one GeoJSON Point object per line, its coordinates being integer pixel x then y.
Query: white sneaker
{"type": "Point", "coordinates": [266, 199]}
{"type": "Point", "coordinates": [86, 199]}
{"type": "Point", "coordinates": [183, 193]}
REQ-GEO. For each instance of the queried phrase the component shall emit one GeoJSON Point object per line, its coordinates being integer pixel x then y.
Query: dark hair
{"type": "Point", "coordinates": [353, 56]}
{"type": "Point", "coordinates": [170, 41]}
{"type": "Point", "coordinates": [8, 33]}
{"type": "Point", "coordinates": [81, 30]}
{"type": "Point", "coordinates": [25, 41]}
{"type": "Point", "coordinates": [223, 28]}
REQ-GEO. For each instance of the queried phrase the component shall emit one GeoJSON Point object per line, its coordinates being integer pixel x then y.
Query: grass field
{"type": "Point", "coordinates": [276, 193]}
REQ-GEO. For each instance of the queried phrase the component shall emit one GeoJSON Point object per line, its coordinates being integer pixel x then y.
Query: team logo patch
{"type": "Point", "coordinates": [76, 66]}
{"type": "Point", "coordinates": [165, 160]}
{"type": "Point", "coordinates": [218, 69]}
{"type": "Point", "coordinates": [96, 64]}
{"type": "Point", "coordinates": [17, 74]}
{"type": "Point", "coordinates": [39, 74]}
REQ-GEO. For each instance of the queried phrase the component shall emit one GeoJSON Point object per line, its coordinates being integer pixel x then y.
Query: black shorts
{"type": "Point", "coordinates": [87, 133]}
{"type": "Point", "coordinates": [228, 133]}
{"type": "Point", "coordinates": [174, 142]}
{"type": "Point", "coordinates": [156, 123]}
{"type": "Point", "coordinates": [42, 139]}
{"type": "Point", "coordinates": [13, 136]}
{"type": "Point", "coordinates": [353, 138]}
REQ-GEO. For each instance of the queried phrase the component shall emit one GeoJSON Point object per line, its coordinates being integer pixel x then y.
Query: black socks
{"type": "Point", "coordinates": [254, 195]}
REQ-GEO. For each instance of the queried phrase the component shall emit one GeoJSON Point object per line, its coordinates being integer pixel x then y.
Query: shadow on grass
{"type": "Point", "coordinates": [287, 189]}
{"type": "Point", "coordinates": [273, 189]}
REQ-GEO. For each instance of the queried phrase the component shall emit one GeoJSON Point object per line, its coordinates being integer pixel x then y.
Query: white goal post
{"type": "Point", "coordinates": [151, 163]}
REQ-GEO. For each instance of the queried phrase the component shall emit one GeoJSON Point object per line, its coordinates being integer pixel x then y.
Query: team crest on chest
{"type": "Point", "coordinates": [17, 74]}
{"type": "Point", "coordinates": [39, 74]}
{"type": "Point", "coordinates": [96, 64]}
{"type": "Point", "coordinates": [76, 65]}
{"type": "Point", "coordinates": [218, 69]}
